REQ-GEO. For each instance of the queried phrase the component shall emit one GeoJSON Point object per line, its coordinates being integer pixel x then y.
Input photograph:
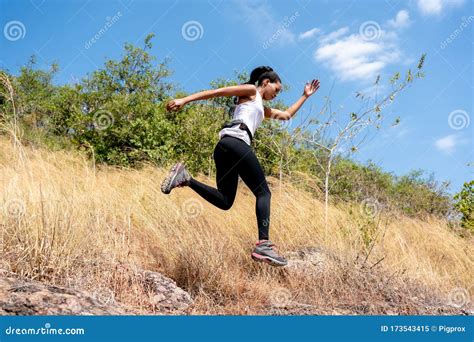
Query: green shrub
{"type": "Point", "coordinates": [465, 205]}
{"type": "Point", "coordinates": [117, 114]}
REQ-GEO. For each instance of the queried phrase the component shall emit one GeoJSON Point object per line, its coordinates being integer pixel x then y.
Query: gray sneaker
{"type": "Point", "coordinates": [264, 252]}
{"type": "Point", "coordinates": [177, 177]}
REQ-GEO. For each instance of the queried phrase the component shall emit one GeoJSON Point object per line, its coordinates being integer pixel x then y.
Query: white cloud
{"type": "Point", "coordinates": [401, 20]}
{"type": "Point", "coordinates": [449, 143]}
{"type": "Point", "coordinates": [430, 7]}
{"type": "Point", "coordinates": [355, 58]}
{"type": "Point", "coordinates": [309, 34]}
{"type": "Point", "coordinates": [436, 7]}
{"type": "Point", "coordinates": [446, 144]}
{"type": "Point", "coordinates": [362, 55]}
{"type": "Point", "coordinates": [334, 35]}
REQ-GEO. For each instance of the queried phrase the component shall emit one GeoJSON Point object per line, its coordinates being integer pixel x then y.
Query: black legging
{"type": "Point", "coordinates": [234, 157]}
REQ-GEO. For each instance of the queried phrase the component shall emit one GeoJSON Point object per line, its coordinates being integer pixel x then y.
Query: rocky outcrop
{"type": "Point", "coordinates": [309, 261]}
{"type": "Point", "coordinates": [166, 295]}
{"type": "Point", "coordinates": [27, 297]}
{"type": "Point", "coordinates": [21, 297]}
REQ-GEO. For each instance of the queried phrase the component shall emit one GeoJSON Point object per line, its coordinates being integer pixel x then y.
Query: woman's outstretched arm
{"type": "Point", "coordinates": [238, 90]}
{"type": "Point", "coordinates": [273, 113]}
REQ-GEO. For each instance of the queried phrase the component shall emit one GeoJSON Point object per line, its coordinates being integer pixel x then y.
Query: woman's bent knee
{"type": "Point", "coordinates": [226, 205]}
{"type": "Point", "coordinates": [263, 192]}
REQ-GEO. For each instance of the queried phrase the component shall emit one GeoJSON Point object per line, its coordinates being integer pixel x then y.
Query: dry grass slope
{"type": "Point", "coordinates": [65, 222]}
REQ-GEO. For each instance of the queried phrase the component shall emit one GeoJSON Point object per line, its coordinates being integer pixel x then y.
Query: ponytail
{"type": "Point", "coordinates": [261, 73]}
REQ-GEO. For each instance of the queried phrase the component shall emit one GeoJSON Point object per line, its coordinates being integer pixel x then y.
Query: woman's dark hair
{"type": "Point", "coordinates": [261, 73]}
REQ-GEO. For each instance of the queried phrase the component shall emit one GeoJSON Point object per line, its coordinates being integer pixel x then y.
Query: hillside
{"type": "Point", "coordinates": [66, 222]}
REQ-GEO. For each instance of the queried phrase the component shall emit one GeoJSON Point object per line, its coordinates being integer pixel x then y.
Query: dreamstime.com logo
{"type": "Point", "coordinates": [192, 30]}
{"type": "Point", "coordinates": [191, 208]}
{"type": "Point", "coordinates": [287, 21]}
{"type": "Point", "coordinates": [463, 26]}
{"type": "Point", "coordinates": [458, 119]}
{"type": "Point", "coordinates": [103, 119]}
{"type": "Point", "coordinates": [459, 297]}
{"type": "Point", "coordinates": [370, 30]}
{"type": "Point", "coordinates": [282, 124]}
{"type": "Point", "coordinates": [370, 207]}
{"type": "Point", "coordinates": [109, 22]}
{"type": "Point", "coordinates": [46, 330]}
{"type": "Point", "coordinates": [4, 265]}
{"type": "Point", "coordinates": [14, 208]}
{"type": "Point", "coordinates": [103, 297]}
{"type": "Point", "coordinates": [14, 30]}
{"type": "Point", "coordinates": [280, 297]}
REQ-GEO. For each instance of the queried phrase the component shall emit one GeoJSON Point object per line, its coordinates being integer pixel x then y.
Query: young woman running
{"type": "Point", "coordinates": [234, 155]}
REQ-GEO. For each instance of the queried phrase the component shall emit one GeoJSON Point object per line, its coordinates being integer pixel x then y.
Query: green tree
{"type": "Point", "coordinates": [465, 204]}
{"type": "Point", "coordinates": [34, 93]}
{"type": "Point", "coordinates": [119, 114]}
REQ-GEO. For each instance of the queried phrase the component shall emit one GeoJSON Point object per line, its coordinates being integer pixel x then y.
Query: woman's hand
{"type": "Point", "coordinates": [175, 105]}
{"type": "Point", "coordinates": [311, 88]}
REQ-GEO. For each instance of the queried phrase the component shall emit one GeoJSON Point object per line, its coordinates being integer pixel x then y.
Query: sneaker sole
{"type": "Point", "coordinates": [268, 260]}
{"type": "Point", "coordinates": [165, 186]}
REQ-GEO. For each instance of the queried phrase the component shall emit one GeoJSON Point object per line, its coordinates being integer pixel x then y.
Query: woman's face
{"type": "Point", "coordinates": [270, 90]}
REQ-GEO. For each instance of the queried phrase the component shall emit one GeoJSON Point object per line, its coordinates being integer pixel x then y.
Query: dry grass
{"type": "Point", "coordinates": [65, 222]}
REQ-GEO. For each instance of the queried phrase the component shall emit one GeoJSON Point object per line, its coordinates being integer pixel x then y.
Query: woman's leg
{"type": "Point", "coordinates": [252, 174]}
{"type": "Point", "coordinates": [234, 157]}
{"type": "Point", "coordinates": [226, 178]}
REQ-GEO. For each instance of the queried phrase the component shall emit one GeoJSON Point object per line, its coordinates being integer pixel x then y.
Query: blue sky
{"type": "Point", "coordinates": [344, 44]}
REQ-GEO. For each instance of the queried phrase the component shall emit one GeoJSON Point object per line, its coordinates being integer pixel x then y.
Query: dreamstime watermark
{"type": "Point", "coordinates": [37, 4]}
{"type": "Point", "coordinates": [14, 208]}
{"type": "Point", "coordinates": [103, 119]}
{"type": "Point", "coordinates": [304, 3]}
{"type": "Point", "coordinates": [14, 30]}
{"type": "Point", "coordinates": [459, 297]}
{"type": "Point", "coordinates": [280, 297]}
{"type": "Point", "coordinates": [46, 330]}
{"type": "Point", "coordinates": [109, 22]}
{"type": "Point", "coordinates": [191, 208]}
{"type": "Point", "coordinates": [157, 299]}
{"type": "Point", "coordinates": [281, 125]}
{"type": "Point", "coordinates": [370, 207]}
{"type": "Point", "coordinates": [126, 3]}
{"type": "Point", "coordinates": [458, 119]}
{"type": "Point", "coordinates": [287, 21]}
{"type": "Point", "coordinates": [192, 30]}
{"type": "Point", "coordinates": [103, 297]}
{"type": "Point", "coordinates": [370, 30]}
{"type": "Point", "coordinates": [464, 24]}
{"type": "Point", "coordinates": [5, 266]}
{"type": "Point", "coordinates": [285, 124]}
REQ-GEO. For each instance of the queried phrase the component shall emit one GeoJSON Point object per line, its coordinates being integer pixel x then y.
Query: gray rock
{"type": "Point", "coordinates": [309, 261]}
{"type": "Point", "coordinates": [164, 293]}
{"type": "Point", "coordinates": [27, 297]}
{"type": "Point", "coordinates": [21, 297]}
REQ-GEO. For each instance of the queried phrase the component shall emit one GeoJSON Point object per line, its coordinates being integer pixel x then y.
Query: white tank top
{"type": "Point", "coordinates": [250, 112]}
